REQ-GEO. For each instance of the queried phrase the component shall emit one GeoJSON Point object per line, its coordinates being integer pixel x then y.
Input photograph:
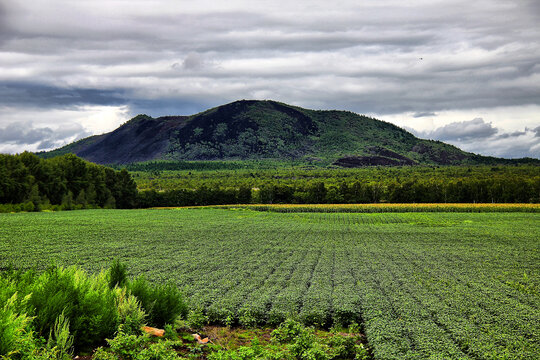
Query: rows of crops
{"type": "Point", "coordinates": [422, 285]}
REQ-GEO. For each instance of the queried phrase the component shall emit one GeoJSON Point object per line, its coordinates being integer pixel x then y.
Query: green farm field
{"type": "Point", "coordinates": [421, 285]}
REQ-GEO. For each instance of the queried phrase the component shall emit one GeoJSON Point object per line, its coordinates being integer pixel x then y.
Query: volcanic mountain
{"type": "Point", "coordinates": [253, 129]}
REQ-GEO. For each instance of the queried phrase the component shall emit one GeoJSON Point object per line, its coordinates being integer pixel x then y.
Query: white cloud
{"type": "Point", "coordinates": [481, 137]}
{"type": "Point", "coordinates": [462, 131]}
{"type": "Point", "coordinates": [22, 129]}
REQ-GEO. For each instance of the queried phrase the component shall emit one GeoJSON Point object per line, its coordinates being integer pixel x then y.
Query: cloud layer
{"type": "Point", "coordinates": [479, 136]}
{"type": "Point", "coordinates": [385, 58]}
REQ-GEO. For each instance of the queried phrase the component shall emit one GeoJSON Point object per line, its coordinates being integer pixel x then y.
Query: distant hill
{"type": "Point", "coordinates": [253, 129]}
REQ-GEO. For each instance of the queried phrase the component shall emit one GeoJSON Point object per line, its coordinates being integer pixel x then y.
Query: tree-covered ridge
{"type": "Point", "coordinates": [28, 182]}
{"type": "Point", "coordinates": [251, 129]}
{"type": "Point", "coordinates": [255, 130]}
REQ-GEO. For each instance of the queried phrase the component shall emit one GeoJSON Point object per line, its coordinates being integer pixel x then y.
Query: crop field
{"type": "Point", "coordinates": [420, 284]}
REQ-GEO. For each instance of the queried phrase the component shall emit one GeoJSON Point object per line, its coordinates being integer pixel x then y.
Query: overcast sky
{"type": "Point", "coordinates": [464, 72]}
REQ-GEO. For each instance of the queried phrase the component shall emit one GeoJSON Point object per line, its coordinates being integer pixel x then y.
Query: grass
{"type": "Point", "coordinates": [441, 285]}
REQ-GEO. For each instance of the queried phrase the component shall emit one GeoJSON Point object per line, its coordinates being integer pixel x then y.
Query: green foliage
{"type": "Point", "coordinates": [163, 303]}
{"type": "Point", "coordinates": [87, 302]}
{"type": "Point", "coordinates": [343, 347]}
{"type": "Point", "coordinates": [79, 311]}
{"type": "Point", "coordinates": [16, 336]}
{"type": "Point", "coordinates": [302, 185]}
{"type": "Point", "coordinates": [131, 316]}
{"type": "Point", "coordinates": [252, 317]}
{"type": "Point", "coordinates": [29, 183]}
{"type": "Point", "coordinates": [288, 331]}
{"type": "Point", "coordinates": [252, 352]}
{"type": "Point", "coordinates": [133, 347]}
{"type": "Point", "coordinates": [60, 338]}
{"type": "Point", "coordinates": [123, 346]}
{"type": "Point", "coordinates": [158, 351]}
{"type": "Point", "coordinates": [306, 348]}
{"type": "Point", "coordinates": [196, 319]}
{"type": "Point", "coordinates": [117, 274]}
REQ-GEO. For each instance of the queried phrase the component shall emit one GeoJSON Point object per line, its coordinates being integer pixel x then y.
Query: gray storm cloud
{"type": "Point", "coordinates": [44, 137]}
{"type": "Point", "coordinates": [377, 57]}
{"type": "Point", "coordinates": [477, 135]}
{"type": "Point", "coordinates": [464, 130]}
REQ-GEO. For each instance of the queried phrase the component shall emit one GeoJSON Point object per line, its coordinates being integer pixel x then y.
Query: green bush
{"type": "Point", "coordinates": [132, 347]}
{"type": "Point", "coordinates": [131, 316]}
{"type": "Point", "coordinates": [255, 351]}
{"type": "Point", "coordinates": [60, 338]}
{"type": "Point", "coordinates": [319, 318]}
{"type": "Point", "coordinates": [305, 346]}
{"type": "Point", "coordinates": [288, 331]}
{"type": "Point", "coordinates": [345, 317]}
{"type": "Point", "coordinates": [79, 311]}
{"type": "Point", "coordinates": [86, 301]}
{"type": "Point", "coordinates": [162, 350]}
{"type": "Point", "coordinates": [162, 303]}
{"type": "Point", "coordinates": [196, 319]}
{"type": "Point", "coordinates": [117, 274]}
{"type": "Point", "coordinates": [220, 315]}
{"type": "Point", "coordinates": [15, 336]}
{"type": "Point", "coordinates": [17, 339]}
{"type": "Point", "coordinates": [276, 317]}
{"type": "Point", "coordinates": [315, 351]}
{"type": "Point", "coordinates": [342, 347]}
{"type": "Point", "coordinates": [123, 346]}
{"type": "Point", "coordinates": [253, 316]}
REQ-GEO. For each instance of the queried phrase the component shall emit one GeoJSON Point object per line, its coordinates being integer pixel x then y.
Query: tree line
{"type": "Point", "coordinates": [30, 183]}
{"type": "Point", "coordinates": [467, 190]}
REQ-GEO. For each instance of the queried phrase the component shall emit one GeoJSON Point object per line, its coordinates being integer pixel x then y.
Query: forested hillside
{"type": "Point", "coordinates": [255, 130]}
{"type": "Point", "coordinates": [30, 183]}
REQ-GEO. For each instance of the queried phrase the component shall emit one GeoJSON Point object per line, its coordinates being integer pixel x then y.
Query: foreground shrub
{"type": "Point", "coordinates": [162, 303]}
{"type": "Point", "coordinates": [86, 301]}
{"type": "Point", "coordinates": [17, 339]}
{"type": "Point", "coordinates": [60, 338]}
{"type": "Point", "coordinates": [132, 347]}
{"type": "Point", "coordinates": [15, 336]}
{"type": "Point", "coordinates": [77, 311]}
{"type": "Point", "coordinates": [305, 345]}
{"type": "Point", "coordinates": [117, 274]}
{"type": "Point", "coordinates": [288, 331]}
{"type": "Point", "coordinates": [255, 351]}
{"type": "Point", "coordinates": [253, 315]}
{"type": "Point", "coordinates": [196, 319]}
{"type": "Point", "coordinates": [131, 316]}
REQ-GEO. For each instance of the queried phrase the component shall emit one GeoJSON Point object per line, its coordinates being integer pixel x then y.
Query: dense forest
{"type": "Point", "coordinates": [204, 183]}
{"type": "Point", "coordinates": [508, 190]}
{"type": "Point", "coordinates": [30, 183]}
